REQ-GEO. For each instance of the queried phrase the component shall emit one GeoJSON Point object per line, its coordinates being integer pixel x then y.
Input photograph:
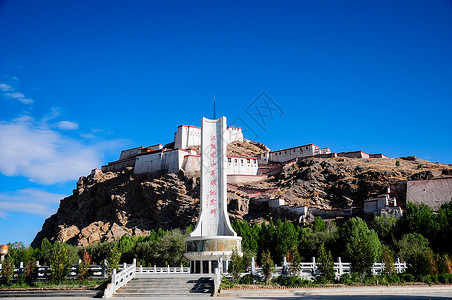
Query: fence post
{"type": "Point", "coordinates": [285, 269]}
{"type": "Point", "coordinates": [340, 271]}
{"type": "Point", "coordinates": [253, 266]}
{"type": "Point", "coordinates": [155, 269]}
{"type": "Point", "coordinates": [141, 268]}
{"type": "Point", "coordinates": [314, 266]}
{"type": "Point", "coordinates": [220, 265]}
{"type": "Point", "coordinates": [21, 265]}
{"type": "Point", "coordinates": [113, 280]}
{"type": "Point", "coordinates": [124, 266]}
{"type": "Point", "coordinates": [168, 269]}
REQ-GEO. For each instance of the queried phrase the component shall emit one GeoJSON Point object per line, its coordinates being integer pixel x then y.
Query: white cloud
{"type": "Point", "coordinates": [45, 156]}
{"type": "Point", "coordinates": [67, 125]}
{"type": "Point", "coordinates": [88, 136]}
{"type": "Point", "coordinates": [33, 201]}
{"type": "Point", "coordinates": [5, 87]}
{"type": "Point", "coordinates": [9, 92]}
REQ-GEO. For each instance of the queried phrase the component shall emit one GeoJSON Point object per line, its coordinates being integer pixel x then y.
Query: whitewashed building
{"type": "Point", "coordinates": [153, 161]}
{"type": "Point", "coordinates": [289, 154]}
{"type": "Point", "coordinates": [187, 136]}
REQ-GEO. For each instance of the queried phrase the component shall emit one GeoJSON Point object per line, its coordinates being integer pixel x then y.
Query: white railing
{"type": "Point", "coordinates": [120, 279]}
{"type": "Point", "coordinates": [163, 270]}
{"type": "Point", "coordinates": [309, 270]}
{"type": "Point", "coordinates": [43, 272]}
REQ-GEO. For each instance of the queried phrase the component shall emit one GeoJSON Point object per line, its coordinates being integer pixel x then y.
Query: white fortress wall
{"type": "Point", "coordinates": [293, 153]}
{"type": "Point", "coordinates": [130, 153]}
{"type": "Point", "coordinates": [187, 136]}
{"type": "Point", "coordinates": [240, 165]}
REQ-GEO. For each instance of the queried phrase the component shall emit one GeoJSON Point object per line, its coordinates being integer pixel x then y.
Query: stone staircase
{"type": "Point", "coordinates": [168, 285]}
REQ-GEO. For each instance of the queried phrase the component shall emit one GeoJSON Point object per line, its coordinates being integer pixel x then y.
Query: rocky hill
{"type": "Point", "coordinates": [106, 206]}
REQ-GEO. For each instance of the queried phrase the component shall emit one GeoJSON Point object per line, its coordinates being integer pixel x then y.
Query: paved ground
{"type": "Point", "coordinates": [358, 293]}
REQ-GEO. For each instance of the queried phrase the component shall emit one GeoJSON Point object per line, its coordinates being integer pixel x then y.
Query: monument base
{"type": "Point", "coordinates": [209, 252]}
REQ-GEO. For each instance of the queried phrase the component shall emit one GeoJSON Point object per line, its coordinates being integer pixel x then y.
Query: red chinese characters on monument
{"type": "Point", "coordinates": [211, 199]}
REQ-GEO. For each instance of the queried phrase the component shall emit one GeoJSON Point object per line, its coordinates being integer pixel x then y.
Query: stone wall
{"type": "Point", "coordinates": [433, 192]}
{"type": "Point", "coordinates": [246, 179]}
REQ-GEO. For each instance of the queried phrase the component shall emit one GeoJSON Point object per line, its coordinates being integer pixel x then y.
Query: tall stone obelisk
{"type": "Point", "coordinates": [213, 239]}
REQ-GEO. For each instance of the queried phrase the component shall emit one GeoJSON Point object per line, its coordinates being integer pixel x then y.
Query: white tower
{"type": "Point", "coordinates": [213, 239]}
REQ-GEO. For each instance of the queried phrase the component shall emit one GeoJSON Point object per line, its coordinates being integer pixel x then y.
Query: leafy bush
{"type": "Point", "coordinates": [345, 279]}
{"type": "Point", "coordinates": [247, 279]}
{"type": "Point", "coordinates": [393, 278]}
{"type": "Point", "coordinates": [406, 277]}
{"type": "Point", "coordinates": [356, 277]}
{"type": "Point", "coordinates": [321, 280]}
{"type": "Point", "coordinates": [226, 284]}
{"type": "Point", "coordinates": [291, 281]}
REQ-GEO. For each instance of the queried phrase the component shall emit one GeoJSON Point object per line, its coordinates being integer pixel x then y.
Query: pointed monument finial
{"type": "Point", "coordinates": [214, 114]}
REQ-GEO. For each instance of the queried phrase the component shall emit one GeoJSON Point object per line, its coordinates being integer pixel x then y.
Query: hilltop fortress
{"type": "Point", "coordinates": [183, 155]}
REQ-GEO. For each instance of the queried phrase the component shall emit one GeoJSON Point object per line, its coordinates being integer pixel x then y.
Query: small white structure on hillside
{"type": "Point", "coordinates": [187, 136]}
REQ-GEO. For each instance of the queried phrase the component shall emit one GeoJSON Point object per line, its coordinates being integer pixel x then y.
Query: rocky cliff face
{"type": "Point", "coordinates": [106, 206]}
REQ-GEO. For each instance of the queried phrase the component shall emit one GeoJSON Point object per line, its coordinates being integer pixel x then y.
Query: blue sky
{"type": "Point", "coordinates": [81, 80]}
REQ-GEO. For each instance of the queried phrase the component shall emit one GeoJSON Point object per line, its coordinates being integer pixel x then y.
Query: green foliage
{"type": "Point", "coordinates": [30, 271]}
{"type": "Point", "coordinates": [326, 267]}
{"type": "Point", "coordinates": [384, 226]}
{"type": "Point", "coordinates": [250, 235]}
{"type": "Point", "coordinates": [268, 266]}
{"type": "Point", "coordinates": [411, 243]}
{"type": "Point", "coordinates": [419, 263]}
{"type": "Point", "coordinates": [247, 279]}
{"type": "Point", "coordinates": [83, 268]}
{"type": "Point", "coordinates": [397, 163]}
{"type": "Point", "coordinates": [236, 267]}
{"type": "Point", "coordinates": [406, 277]}
{"type": "Point", "coordinates": [294, 258]}
{"type": "Point", "coordinates": [388, 260]}
{"type": "Point", "coordinates": [59, 264]}
{"type": "Point", "coordinates": [45, 252]}
{"type": "Point", "coordinates": [318, 225]}
{"type": "Point", "coordinates": [420, 166]}
{"type": "Point", "coordinates": [113, 259]}
{"type": "Point", "coordinates": [7, 271]}
{"type": "Point", "coordinates": [291, 281]}
{"type": "Point", "coordinates": [345, 279]}
{"type": "Point", "coordinates": [226, 284]}
{"type": "Point", "coordinates": [18, 253]}
{"type": "Point", "coordinates": [361, 245]}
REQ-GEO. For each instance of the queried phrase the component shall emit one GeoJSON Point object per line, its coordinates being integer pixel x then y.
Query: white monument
{"type": "Point", "coordinates": [213, 239]}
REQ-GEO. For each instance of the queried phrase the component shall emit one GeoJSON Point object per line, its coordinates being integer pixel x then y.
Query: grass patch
{"type": "Point", "coordinates": [64, 285]}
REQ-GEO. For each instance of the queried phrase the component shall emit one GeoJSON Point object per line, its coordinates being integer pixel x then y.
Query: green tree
{"type": "Point", "coordinates": [294, 258]}
{"type": "Point", "coordinates": [171, 248]}
{"type": "Point", "coordinates": [268, 266]}
{"type": "Point", "coordinates": [59, 264]}
{"type": "Point", "coordinates": [30, 271]}
{"type": "Point", "coordinates": [384, 226]}
{"type": "Point", "coordinates": [361, 246]}
{"type": "Point", "coordinates": [326, 267]}
{"type": "Point", "coordinates": [113, 259]}
{"type": "Point", "coordinates": [318, 225]}
{"type": "Point", "coordinates": [83, 268]}
{"type": "Point", "coordinates": [7, 270]}
{"type": "Point", "coordinates": [236, 266]}
{"type": "Point", "coordinates": [286, 238]}
{"type": "Point", "coordinates": [410, 243]}
{"type": "Point", "coordinates": [397, 163]}
{"type": "Point", "coordinates": [45, 252]}
{"type": "Point", "coordinates": [388, 260]}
